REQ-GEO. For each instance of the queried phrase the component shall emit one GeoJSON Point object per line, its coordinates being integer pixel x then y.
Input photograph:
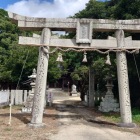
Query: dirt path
{"type": "Point", "coordinates": [67, 119]}
{"type": "Point", "coordinates": [77, 123]}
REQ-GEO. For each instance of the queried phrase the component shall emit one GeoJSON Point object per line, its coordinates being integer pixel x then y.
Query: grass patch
{"type": "Point", "coordinates": [136, 115]}
{"type": "Point", "coordinates": [115, 117]}
{"type": "Point", "coordinates": [4, 107]}
{"type": "Point", "coordinates": [112, 116]}
{"type": "Point", "coordinates": [7, 129]}
{"type": "Point", "coordinates": [13, 106]}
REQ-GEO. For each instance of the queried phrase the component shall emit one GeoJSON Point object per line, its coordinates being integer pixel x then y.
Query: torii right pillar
{"type": "Point", "coordinates": [123, 83]}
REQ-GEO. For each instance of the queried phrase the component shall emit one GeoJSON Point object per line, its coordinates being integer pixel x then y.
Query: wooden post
{"type": "Point", "coordinates": [91, 87]}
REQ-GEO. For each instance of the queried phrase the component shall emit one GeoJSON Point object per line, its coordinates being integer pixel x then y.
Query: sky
{"type": "Point", "coordinates": [44, 8]}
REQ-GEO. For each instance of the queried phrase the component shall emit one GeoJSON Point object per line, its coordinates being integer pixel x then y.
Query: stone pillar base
{"type": "Point", "coordinates": [26, 110]}
{"type": "Point", "coordinates": [109, 104]}
{"type": "Point", "coordinates": [34, 125]}
{"type": "Point", "coordinates": [74, 94]}
{"type": "Point", "coordinates": [127, 125]}
{"type": "Point", "coordinates": [28, 104]}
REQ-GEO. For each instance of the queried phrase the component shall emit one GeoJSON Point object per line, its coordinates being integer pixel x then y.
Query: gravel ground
{"type": "Point", "coordinates": [68, 119]}
{"type": "Point", "coordinates": [19, 130]}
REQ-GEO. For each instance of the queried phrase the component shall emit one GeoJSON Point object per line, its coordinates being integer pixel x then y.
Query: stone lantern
{"type": "Point", "coordinates": [33, 78]}
{"type": "Point", "coordinates": [29, 102]}
{"type": "Point", "coordinates": [109, 103]}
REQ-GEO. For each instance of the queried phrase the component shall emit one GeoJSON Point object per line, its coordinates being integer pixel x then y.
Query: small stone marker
{"type": "Point", "coordinates": [50, 98]}
{"type": "Point", "coordinates": [74, 92]}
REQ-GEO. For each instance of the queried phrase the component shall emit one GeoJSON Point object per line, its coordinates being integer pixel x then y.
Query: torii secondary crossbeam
{"type": "Point", "coordinates": [83, 29]}
{"type": "Point", "coordinates": [109, 43]}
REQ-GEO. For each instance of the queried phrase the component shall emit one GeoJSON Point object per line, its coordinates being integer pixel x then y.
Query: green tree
{"type": "Point", "coordinates": [79, 74]}
{"type": "Point", "coordinates": [113, 9]}
{"type": "Point", "coordinates": [94, 10]}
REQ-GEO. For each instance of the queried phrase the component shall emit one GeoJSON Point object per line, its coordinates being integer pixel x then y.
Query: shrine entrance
{"type": "Point", "coordinates": [84, 42]}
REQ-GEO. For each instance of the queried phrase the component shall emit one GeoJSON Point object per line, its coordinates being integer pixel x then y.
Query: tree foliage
{"type": "Point", "coordinates": [112, 9]}
{"type": "Point", "coordinates": [13, 56]}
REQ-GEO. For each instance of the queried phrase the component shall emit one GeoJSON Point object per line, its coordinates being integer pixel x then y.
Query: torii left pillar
{"type": "Point", "coordinates": [40, 87]}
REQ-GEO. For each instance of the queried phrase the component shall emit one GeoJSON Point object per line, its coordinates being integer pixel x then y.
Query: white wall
{"type": "Point", "coordinates": [18, 97]}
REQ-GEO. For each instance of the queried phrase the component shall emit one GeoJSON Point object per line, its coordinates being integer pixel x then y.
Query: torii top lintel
{"type": "Point", "coordinates": [31, 23]}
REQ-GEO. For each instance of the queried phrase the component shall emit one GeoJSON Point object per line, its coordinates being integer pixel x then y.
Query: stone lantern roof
{"type": "Point", "coordinates": [33, 76]}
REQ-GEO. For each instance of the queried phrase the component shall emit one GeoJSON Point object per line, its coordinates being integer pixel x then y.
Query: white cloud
{"type": "Point", "coordinates": [43, 8]}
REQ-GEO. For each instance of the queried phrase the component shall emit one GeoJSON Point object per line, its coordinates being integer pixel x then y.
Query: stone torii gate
{"type": "Point", "coordinates": [84, 29]}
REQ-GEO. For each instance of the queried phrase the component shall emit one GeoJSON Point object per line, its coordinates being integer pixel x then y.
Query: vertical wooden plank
{"type": "Point", "coordinates": [8, 96]}
{"type": "Point", "coordinates": [13, 97]}
{"type": "Point", "coordinates": [91, 87]}
{"type": "Point", "coordinates": [20, 94]}
{"type": "Point", "coordinates": [29, 92]}
{"type": "Point", "coordinates": [16, 97]}
{"type": "Point", "coordinates": [25, 96]}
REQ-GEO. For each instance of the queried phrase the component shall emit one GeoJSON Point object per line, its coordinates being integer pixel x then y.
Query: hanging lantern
{"type": "Point", "coordinates": [108, 60]}
{"type": "Point", "coordinates": [137, 51]}
{"type": "Point", "coordinates": [85, 57]}
{"type": "Point", "coordinates": [59, 58]}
